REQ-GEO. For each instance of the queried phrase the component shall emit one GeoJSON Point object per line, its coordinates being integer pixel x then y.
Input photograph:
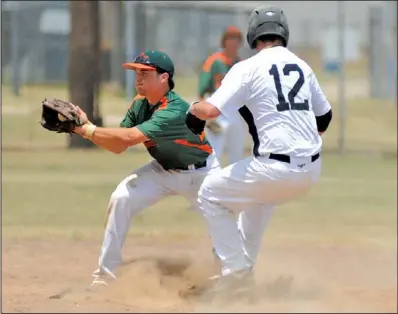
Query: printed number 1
{"type": "Point", "coordinates": [283, 105]}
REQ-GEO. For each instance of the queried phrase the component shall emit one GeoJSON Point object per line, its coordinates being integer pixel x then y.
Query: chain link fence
{"type": "Point", "coordinates": [35, 34]}
{"type": "Point", "coordinates": [35, 41]}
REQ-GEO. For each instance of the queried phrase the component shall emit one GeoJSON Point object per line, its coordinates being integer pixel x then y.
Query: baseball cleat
{"type": "Point", "coordinates": [238, 284]}
{"type": "Point", "coordinates": [98, 282]}
{"type": "Point", "coordinates": [99, 279]}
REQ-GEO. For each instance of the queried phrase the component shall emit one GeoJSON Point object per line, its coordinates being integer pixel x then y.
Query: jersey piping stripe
{"type": "Point", "coordinates": [209, 61]}
{"type": "Point", "coordinates": [206, 148]}
{"type": "Point", "coordinates": [216, 56]}
{"type": "Point", "coordinates": [138, 96]}
{"type": "Point", "coordinates": [249, 119]}
{"type": "Point", "coordinates": [202, 136]}
{"type": "Point", "coordinates": [163, 104]}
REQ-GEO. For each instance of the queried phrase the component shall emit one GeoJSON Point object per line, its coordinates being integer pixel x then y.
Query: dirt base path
{"type": "Point", "coordinates": [156, 272]}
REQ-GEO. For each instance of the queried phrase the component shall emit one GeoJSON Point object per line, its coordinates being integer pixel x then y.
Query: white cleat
{"type": "Point", "coordinates": [98, 282]}
{"type": "Point", "coordinates": [98, 279]}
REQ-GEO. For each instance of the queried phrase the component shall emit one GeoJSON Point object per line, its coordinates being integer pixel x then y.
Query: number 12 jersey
{"type": "Point", "coordinates": [278, 96]}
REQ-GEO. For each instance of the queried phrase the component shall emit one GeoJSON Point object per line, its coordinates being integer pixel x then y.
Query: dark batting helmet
{"type": "Point", "coordinates": [267, 21]}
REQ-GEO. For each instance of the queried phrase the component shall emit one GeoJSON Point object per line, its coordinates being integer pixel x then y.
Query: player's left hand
{"type": "Point", "coordinates": [59, 116]}
{"type": "Point", "coordinates": [83, 117]}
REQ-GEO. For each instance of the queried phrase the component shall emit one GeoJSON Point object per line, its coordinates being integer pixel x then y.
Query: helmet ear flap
{"type": "Point", "coordinates": [248, 39]}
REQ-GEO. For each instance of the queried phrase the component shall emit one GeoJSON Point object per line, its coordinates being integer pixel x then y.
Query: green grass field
{"type": "Point", "coordinates": [66, 193]}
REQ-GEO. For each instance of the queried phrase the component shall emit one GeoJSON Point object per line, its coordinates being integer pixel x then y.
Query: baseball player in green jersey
{"type": "Point", "coordinates": [222, 132]}
{"type": "Point", "coordinates": [181, 159]}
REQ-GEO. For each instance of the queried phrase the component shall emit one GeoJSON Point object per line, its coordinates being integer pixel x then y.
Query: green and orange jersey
{"type": "Point", "coordinates": [170, 142]}
{"type": "Point", "coordinates": [217, 64]}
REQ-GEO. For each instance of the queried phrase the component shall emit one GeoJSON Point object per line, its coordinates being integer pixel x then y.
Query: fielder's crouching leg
{"type": "Point", "coordinates": [117, 224]}
{"type": "Point", "coordinates": [133, 194]}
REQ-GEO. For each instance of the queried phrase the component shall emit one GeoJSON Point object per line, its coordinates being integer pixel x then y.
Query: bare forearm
{"type": "Point", "coordinates": [112, 146]}
{"type": "Point", "coordinates": [204, 110]}
{"type": "Point", "coordinates": [116, 147]}
{"type": "Point", "coordinates": [115, 140]}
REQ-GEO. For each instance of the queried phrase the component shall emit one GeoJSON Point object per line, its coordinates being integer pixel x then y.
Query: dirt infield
{"type": "Point", "coordinates": [157, 272]}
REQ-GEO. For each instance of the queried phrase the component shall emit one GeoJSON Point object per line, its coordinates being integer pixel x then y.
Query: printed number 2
{"type": "Point", "coordinates": [283, 105]}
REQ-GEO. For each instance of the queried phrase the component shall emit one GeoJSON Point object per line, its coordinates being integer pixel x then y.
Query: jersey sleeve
{"type": "Point", "coordinates": [163, 125]}
{"type": "Point", "coordinates": [204, 83]}
{"type": "Point", "coordinates": [232, 94]}
{"type": "Point", "coordinates": [320, 104]}
{"type": "Point", "coordinates": [219, 67]}
{"type": "Point", "coordinates": [129, 120]}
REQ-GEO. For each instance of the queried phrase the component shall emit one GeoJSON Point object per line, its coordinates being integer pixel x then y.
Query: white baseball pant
{"type": "Point", "coordinates": [231, 137]}
{"type": "Point", "coordinates": [145, 187]}
{"type": "Point", "coordinates": [251, 188]}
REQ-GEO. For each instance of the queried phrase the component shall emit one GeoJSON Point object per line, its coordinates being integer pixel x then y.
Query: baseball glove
{"type": "Point", "coordinates": [59, 116]}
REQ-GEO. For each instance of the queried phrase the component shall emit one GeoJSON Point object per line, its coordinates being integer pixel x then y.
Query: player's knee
{"type": "Point", "coordinates": [208, 187]}
{"type": "Point", "coordinates": [121, 194]}
{"type": "Point", "coordinates": [208, 202]}
{"type": "Point", "coordinates": [203, 190]}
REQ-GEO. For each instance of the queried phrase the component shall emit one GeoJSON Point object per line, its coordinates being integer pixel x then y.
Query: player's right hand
{"type": "Point", "coordinates": [82, 114]}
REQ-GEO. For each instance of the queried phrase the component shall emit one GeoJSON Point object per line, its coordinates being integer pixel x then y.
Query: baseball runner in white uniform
{"type": "Point", "coordinates": [286, 111]}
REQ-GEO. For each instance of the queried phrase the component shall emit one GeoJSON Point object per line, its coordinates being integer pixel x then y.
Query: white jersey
{"type": "Point", "coordinates": [278, 96]}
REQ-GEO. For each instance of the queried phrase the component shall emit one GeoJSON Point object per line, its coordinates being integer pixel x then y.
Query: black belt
{"type": "Point", "coordinates": [198, 165]}
{"type": "Point", "coordinates": [286, 158]}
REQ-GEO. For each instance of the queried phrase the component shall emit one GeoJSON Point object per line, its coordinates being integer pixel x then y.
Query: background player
{"type": "Point", "coordinates": [181, 158]}
{"type": "Point", "coordinates": [279, 97]}
{"type": "Point", "coordinates": [222, 132]}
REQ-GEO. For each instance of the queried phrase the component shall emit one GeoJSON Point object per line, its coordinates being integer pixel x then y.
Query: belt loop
{"type": "Point", "coordinates": [191, 167]}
